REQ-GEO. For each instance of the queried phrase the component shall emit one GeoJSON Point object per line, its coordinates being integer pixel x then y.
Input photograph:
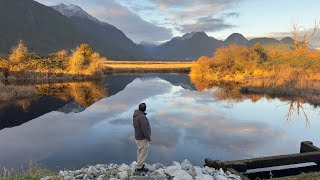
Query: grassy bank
{"type": "Point", "coordinates": [293, 73]}
{"type": "Point", "coordinates": [33, 172]}
{"type": "Point", "coordinates": [304, 176]}
{"type": "Point", "coordinates": [147, 67]}
{"type": "Point", "coordinates": [81, 63]}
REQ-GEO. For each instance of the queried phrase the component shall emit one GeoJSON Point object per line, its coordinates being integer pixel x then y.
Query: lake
{"type": "Point", "coordinates": [76, 124]}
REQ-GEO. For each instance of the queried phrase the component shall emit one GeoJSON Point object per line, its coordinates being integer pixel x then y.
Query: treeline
{"type": "Point", "coordinates": [81, 61]}
{"type": "Point", "coordinates": [240, 63]}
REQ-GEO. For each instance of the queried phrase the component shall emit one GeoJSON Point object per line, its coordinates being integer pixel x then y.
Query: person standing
{"type": "Point", "coordinates": [142, 131]}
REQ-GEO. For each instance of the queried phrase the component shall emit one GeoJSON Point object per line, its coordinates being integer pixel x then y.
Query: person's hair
{"type": "Point", "coordinates": [142, 107]}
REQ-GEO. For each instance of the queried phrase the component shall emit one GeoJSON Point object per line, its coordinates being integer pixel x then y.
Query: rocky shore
{"type": "Point", "coordinates": [177, 171]}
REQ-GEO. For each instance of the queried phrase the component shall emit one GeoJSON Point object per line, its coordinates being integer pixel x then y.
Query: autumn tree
{"type": "Point", "coordinates": [258, 48]}
{"type": "Point", "coordinates": [19, 53]}
{"type": "Point", "coordinates": [85, 61]}
{"type": "Point", "coordinates": [59, 59]}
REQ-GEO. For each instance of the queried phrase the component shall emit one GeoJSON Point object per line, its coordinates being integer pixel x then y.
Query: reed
{"type": "Point", "coordinates": [10, 92]}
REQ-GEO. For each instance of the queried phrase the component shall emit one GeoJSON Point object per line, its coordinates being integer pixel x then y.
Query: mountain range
{"type": "Point", "coordinates": [49, 29]}
{"type": "Point", "coordinates": [193, 45]}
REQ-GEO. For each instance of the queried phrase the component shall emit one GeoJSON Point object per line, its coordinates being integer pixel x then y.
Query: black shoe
{"type": "Point", "coordinates": [144, 169]}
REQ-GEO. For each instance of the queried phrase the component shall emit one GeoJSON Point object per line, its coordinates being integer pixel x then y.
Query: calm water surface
{"type": "Point", "coordinates": [77, 124]}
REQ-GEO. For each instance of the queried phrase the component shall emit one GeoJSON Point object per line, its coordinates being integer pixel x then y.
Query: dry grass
{"type": "Point", "coordinates": [303, 176]}
{"type": "Point", "coordinates": [147, 65]}
{"type": "Point", "coordinates": [11, 92]}
{"type": "Point", "coordinates": [34, 172]}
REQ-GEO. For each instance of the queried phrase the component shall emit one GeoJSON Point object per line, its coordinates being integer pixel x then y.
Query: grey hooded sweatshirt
{"type": "Point", "coordinates": [141, 126]}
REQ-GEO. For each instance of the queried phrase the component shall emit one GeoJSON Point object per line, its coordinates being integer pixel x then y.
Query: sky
{"type": "Point", "coordinates": [160, 20]}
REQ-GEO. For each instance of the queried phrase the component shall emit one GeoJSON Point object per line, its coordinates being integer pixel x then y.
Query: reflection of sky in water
{"type": "Point", "coordinates": [185, 124]}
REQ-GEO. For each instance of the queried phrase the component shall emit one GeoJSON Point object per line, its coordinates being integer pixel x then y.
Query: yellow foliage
{"type": "Point", "coordinates": [19, 53]}
{"type": "Point", "coordinates": [84, 61]}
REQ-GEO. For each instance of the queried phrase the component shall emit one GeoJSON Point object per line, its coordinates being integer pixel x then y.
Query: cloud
{"type": "Point", "coordinates": [208, 24]}
{"type": "Point", "coordinates": [122, 17]}
{"type": "Point", "coordinates": [232, 14]}
{"type": "Point", "coordinates": [192, 3]}
{"type": "Point", "coordinates": [194, 15]}
{"type": "Point", "coordinates": [314, 41]}
{"type": "Point", "coordinates": [133, 25]}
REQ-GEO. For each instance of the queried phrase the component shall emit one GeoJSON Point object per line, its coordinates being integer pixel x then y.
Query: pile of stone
{"type": "Point", "coordinates": [177, 171]}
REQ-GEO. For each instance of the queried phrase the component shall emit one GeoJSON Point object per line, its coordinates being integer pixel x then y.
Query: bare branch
{"type": "Point", "coordinates": [316, 25]}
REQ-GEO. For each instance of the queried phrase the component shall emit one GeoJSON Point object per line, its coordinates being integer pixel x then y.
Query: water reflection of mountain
{"type": "Point", "coordinates": [74, 97]}
{"type": "Point", "coordinates": [14, 114]}
{"type": "Point", "coordinates": [117, 83]}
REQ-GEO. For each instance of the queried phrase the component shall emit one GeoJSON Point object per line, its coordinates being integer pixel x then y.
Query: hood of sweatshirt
{"type": "Point", "coordinates": [138, 112]}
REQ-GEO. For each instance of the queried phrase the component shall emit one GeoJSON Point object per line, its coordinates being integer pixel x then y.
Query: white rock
{"type": "Point", "coordinates": [182, 175]}
{"type": "Point", "coordinates": [80, 176]}
{"type": "Point", "coordinates": [207, 170]}
{"type": "Point", "coordinates": [157, 176]}
{"type": "Point", "coordinates": [98, 166]}
{"type": "Point", "coordinates": [69, 178]}
{"type": "Point", "coordinates": [198, 171]}
{"type": "Point", "coordinates": [171, 170]}
{"type": "Point", "coordinates": [157, 165]}
{"type": "Point", "coordinates": [178, 173]}
{"type": "Point", "coordinates": [133, 164]}
{"type": "Point", "coordinates": [123, 175]}
{"type": "Point", "coordinates": [85, 176]}
{"type": "Point", "coordinates": [103, 171]}
{"type": "Point", "coordinates": [151, 168]}
{"type": "Point", "coordinates": [177, 164]}
{"type": "Point", "coordinates": [160, 171]}
{"type": "Point", "coordinates": [93, 171]}
{"type": "Point", "coordinates": [113, 179]}
{"type": "Point", "coordinates": [69, 173]}
{"type": "Point", "coordinates": [61, 173]}
{"type": "Point", "coordinates": [77, 172]}
{"type": "Point", "coordinates": [221, 171]}
{"type": "Point", "coordinates": [101, 177]}
{"type": "Point", "coordinates": [220, 177]}
{"type": "Point", "coordinates": [186, 165]}
{"type": "Point", "coordinates": [204, 177]}
{"type": "Point", "coordinates": [124, 167]}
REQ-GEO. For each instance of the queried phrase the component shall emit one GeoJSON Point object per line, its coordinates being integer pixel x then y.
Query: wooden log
{"type": "Point", "coordinates": [307, 146]}
{"type": "Point", "coordinates": [233, 171]}
{"type": "Point", "coordinates": [213, 163]}
{"type": "Point", "coordinates": [240, 166]}
{"type": "Point", "coordinates": [278, 160]}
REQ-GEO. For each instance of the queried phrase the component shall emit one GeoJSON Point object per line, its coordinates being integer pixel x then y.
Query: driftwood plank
{"type": "Point", "coordinates": [307, 146]}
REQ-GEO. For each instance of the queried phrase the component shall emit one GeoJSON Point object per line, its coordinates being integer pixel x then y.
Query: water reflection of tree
{"type": "Point", "coordinates": [233, 92]}
{"type": "Point", "coordinates": [297, 106]}
{"type": "Point", "coordinates": [83, 93]}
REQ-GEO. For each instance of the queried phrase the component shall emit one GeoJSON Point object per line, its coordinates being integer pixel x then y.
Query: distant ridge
{"type": "Point", "coordinates": [192, 45]}
{"type": "Point", "coordinates": [188, 47]}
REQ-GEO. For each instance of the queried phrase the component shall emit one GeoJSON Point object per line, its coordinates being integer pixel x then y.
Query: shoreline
{"type": "Point", "coordinates": [183, 171]}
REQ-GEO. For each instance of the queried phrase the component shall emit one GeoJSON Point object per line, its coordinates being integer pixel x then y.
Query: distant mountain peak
{"type": "Point", "coordinates": [194, 34]}
{"type": "Point", "coordinates": [72, 10]}
{"type": "Point", "coordinates": [236, 38]}
{"type": "Point", "coordinates": [287, 40]}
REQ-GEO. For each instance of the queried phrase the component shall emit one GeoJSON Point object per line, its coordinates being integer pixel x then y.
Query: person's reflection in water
{"type": "Point", "coordinates": [142, 131]}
